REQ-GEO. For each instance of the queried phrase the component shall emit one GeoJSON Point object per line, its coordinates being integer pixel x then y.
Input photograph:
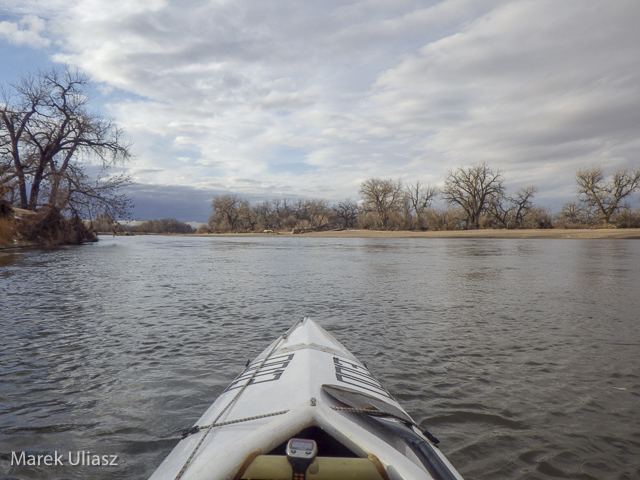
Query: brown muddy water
{"type": "Point", "coordinates": [522, 356]}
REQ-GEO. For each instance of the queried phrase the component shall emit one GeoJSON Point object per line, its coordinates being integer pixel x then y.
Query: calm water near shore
{"type": "Point", "coordinates": [522, 356]}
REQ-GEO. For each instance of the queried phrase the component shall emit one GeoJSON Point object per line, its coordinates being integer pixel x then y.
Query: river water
{"type": "Point", "coordinates": [522, 356]}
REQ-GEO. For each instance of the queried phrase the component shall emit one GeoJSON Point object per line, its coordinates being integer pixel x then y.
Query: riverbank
{"type": "Point", "coordinates": [45, 228]}
{"type": "Point", "coordinates": [554, 233]}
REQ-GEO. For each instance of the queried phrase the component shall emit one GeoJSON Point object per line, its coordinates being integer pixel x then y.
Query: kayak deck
{"type": "Point", "coordinates": [306, 385]}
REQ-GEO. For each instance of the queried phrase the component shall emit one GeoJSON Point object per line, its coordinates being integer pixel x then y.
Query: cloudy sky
{"type": "Point", "coordinates": [300, 99]}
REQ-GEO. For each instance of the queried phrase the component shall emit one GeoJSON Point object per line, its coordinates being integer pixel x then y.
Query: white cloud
{"type": "Point", "coordinates": [26, 32]}
{"type": "Point", "coordinates": [523, 86]}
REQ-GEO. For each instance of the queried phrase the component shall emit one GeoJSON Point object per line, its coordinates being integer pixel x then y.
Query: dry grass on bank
{"type": "Point", "coordinates": [7, 231]}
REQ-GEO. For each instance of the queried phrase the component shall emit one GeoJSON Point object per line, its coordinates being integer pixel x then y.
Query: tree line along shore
{"type": "Point", "coordinates": [477, 205]}
{"type": "Point", "coordinates": [474, 198]}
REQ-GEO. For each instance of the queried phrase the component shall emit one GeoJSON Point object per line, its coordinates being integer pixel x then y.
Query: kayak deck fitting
{"type": "Point", "coordinates": [306, 408]}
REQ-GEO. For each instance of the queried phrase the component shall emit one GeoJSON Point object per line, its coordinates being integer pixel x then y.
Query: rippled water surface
{"type": "Point", "coordinates": [522, 356]}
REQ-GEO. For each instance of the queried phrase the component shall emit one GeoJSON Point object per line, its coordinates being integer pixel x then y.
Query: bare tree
{"type": "Point", "coordinates": [382, 197]}
{"type": "Point", "coordinates": [282, 210]}
{"type": "Point", "coordinates": [347, 213]}
{"type": "Point", "coordinates": [319, 213]}
{"type": "Point", "coordinates": [472, 189]}
{"type": "Point", "coordinates": [46, 132]}
{"type": "Point", "coordinates": [248, 217]}
{"type": "Point", "coordinates": [606, 197]}
{"type": "Point", "coordinates": [500, 209]}
{"type": "Point", "coordinates": [227, 210]}
{"type": "Point", "coordinates": [264, 215]}
{"type": "Point", "coordinates": [16, 111]}
{"type": "Point", "coordinates": [511, 211]}
{"type": "Point", "coordinates": [523, 203]}
{"type": "Point", "coordinates": [419, 198]}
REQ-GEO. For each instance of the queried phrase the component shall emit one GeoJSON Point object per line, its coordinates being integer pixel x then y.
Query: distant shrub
{"type": "Point", "coordinates": [450, 218]}
{"type": "Point", "coordinates": [627, 218]}
{"type": "Point", "coordinates": [165, 225]}
{"type": "Point", "coordinates": [303, 225]}
{"type": "Point", "coordinates": [104, 223]}
{"type": "Point", "coordinates": [487, 222]}
{"type": "Point", "coordinates": [538, 217]}
{"type": "Point", "coordinates": [575, 215]}
{"type": "Point", "coordinates": [369, 221]}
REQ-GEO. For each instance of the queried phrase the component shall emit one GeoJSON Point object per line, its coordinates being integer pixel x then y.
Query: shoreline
{"type": "Point", "coordinates": [553, 233]}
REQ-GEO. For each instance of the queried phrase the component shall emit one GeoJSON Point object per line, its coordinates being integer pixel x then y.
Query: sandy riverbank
{"type": "Point", "coordinates": [556, 233]}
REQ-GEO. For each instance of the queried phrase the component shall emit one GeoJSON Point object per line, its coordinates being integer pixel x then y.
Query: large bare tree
{"type": "Point", "coordinates": [227, 212]}
{"type": "Point", "coordinates": [473, 189]}
{"type": "Point", "coordinates": [382, 197]}
{"type": "Point", "coordinates": [48, 135]}
{"type": "Point", "coordinates": [606, 197]}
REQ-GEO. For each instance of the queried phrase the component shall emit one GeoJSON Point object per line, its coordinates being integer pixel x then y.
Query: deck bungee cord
{"type": "Point", "coordinates": [197, 428]}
